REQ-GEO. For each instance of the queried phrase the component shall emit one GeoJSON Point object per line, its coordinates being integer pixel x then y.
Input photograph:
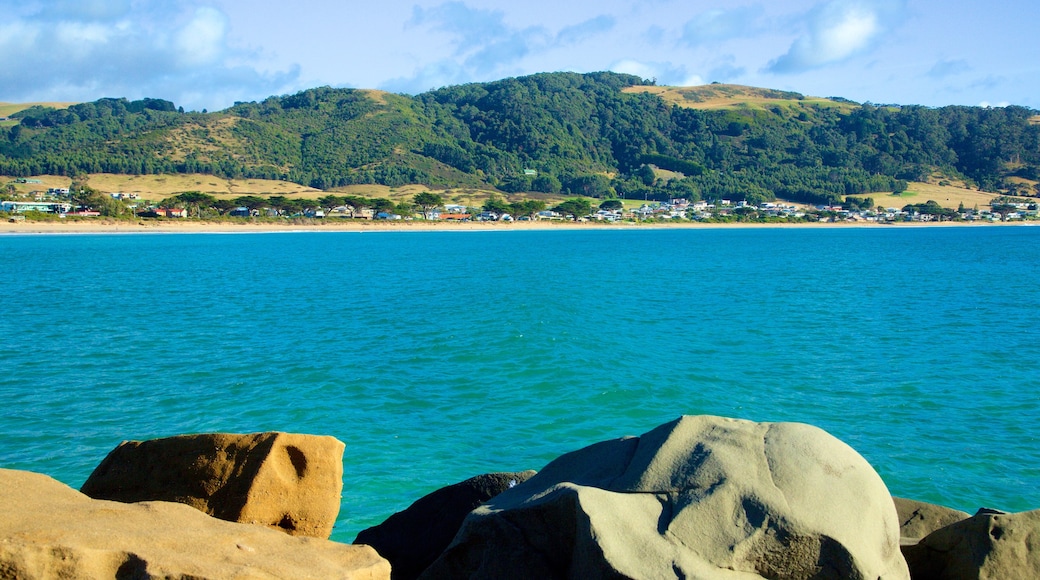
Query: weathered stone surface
{"type": "Point", "coordinates": [986, 546]}
{"type": "Point", "coordinates": [49, 530]}
{"type": "Point", "coordinates": [286, 481]}
{"type": "Point", "coordinates": [700, 497]}
{"type": "Point", "coordinates": [917, 519]}
{"type": "Point", "coordinates": [412, 539]}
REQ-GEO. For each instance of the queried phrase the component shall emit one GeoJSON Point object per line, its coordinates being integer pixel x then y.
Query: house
{"type": "Point", "coordinates": [240, 211]}
{"type": "Point", "coordinates": [40, 206]}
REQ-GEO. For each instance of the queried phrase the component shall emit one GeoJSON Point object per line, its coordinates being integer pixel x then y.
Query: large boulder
{"type": "Point", "coordinates": [699, 497]}
{"type": "Point", "coordinates": [917, 519]}
{"type": "Point", "coordinates": [289, 482]}
{"type": "Point", "coordinates": [412, 539]}
{"type": "Point", "coordinates": [987, 546]}
{"type": "Point", "coordinates": [49, 530]}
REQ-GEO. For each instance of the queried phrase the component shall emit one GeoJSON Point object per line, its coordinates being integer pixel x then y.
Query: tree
{"type": "Point", "coordinates": [427, 202]}
{"type": "Point", "coordinates": [528, 207]}
{"type": "Point", "coordinates": [253, 202]}
{"type": "Point", "coordinates": [496, 204]}
{"type": "Point", "coordinates": [224, 205]}
{"type": "Point", "coordinates": [356, 203]}
{"type": "Point", "coordinates": [576, 208]}
{"type": "Point", "coordinates": [196, 200]}
{"type": "Point", "coordinates": [647, 175]}
{"type": "Point", "coordinates": [611, 205]}
{"type": "Point", "coordinates": [381, 205]}
{"type": "Point", "coordinates": [330, 201]}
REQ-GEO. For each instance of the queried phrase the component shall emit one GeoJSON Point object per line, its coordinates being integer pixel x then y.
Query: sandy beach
{"type": "Point", "coordinates": [224, 227]}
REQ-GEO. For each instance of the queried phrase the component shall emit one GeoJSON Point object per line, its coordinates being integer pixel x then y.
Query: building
{"type": "Point", "coordinates": [40, 206]}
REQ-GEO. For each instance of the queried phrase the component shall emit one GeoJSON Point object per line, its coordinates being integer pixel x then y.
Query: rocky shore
{"type": "Point", "coordinates": [698, 497]}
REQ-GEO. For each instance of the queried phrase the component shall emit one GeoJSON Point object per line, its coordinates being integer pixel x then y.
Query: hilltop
{"type": "Point", "coordinates": [724, 96]}
{"type": "Point", "coordinates": [553, 134]}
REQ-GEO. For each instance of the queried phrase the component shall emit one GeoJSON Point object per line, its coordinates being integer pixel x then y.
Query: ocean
{"type": "Point", "coordinates": [436, 356]}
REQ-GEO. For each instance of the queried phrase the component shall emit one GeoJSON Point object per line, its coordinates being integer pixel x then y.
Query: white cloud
{"type": "Point", "coordinates": [835, 32]}
{"type": "Point", "coordinates": [80, 50]}
{"type": "Point", "coordinates": [201, 41]}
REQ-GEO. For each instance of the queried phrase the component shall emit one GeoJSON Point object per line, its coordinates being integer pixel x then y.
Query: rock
{"type": "Point", "coordinates": [412, 539]}
{"type": "Point", "coordinates": [917, 519]}
{"type": "Point", "coordinates": [988, 545]}
{"type": "Point", "coordinates": [285, 481]}
{"type": "Point", "coordinates": [49, 530]}
{"type": "Point", "coordinates": [700, 497]}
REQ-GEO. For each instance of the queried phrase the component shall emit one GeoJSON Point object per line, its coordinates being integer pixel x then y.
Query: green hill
{"type": "Point", "coordinates": [595, 134]}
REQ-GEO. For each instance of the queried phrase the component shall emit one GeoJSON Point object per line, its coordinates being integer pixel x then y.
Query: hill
{"type": "Point", "coordinates": [597, 134]}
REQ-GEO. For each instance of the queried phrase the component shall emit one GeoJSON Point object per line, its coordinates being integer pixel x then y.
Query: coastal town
{"type": "Point", "coordinates": [61, 203]}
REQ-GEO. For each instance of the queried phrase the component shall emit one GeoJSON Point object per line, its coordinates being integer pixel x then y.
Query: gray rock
{"type": "Point", "coordinates": [412, 539]}
{"type": "Point", "coordinates": [917, 519]}
{"type": "Point", "coordinates": [49, 530]}
{"type": "Point", "coordinates": [700, 497]}
{"type": "Point", "coordinates": [988, 545]}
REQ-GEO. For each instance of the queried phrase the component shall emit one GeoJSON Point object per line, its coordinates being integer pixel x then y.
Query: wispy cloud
{"type": "Point", "coordinates": [72, 49]}
{"type": "Point", "coordinates": [484, 45]}
{"type": "Point", "coordinates": [719, 25]}
{"type": "Point", "coordinates": [585, 30]}
{"type": "Point", "coordinates": [665, 73]}
{"type": "Point", "coordinates": [948, 68]}
{"type": "Point", "coordinates": [837, 31]}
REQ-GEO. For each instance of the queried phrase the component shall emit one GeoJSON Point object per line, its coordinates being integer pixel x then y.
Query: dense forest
{"type": "Point", "coordinates": [589, 134]}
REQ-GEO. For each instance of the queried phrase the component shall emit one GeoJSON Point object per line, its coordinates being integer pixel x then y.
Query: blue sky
{"type": "Point", "coordinates": [211, 53]}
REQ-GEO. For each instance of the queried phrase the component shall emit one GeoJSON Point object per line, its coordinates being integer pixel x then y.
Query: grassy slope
{"type": "Point", "coordinates": [945, 195]}
{"type": "Point", "coordinates": [157, 187]}
{"type": "Point", "coordinates": [8, 109]}
{"type": "Point", "coordinates": [722, 96]}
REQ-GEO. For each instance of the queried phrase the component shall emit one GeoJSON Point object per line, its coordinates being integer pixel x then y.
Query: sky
{"type": "Point", "coordinates": [208, 54]}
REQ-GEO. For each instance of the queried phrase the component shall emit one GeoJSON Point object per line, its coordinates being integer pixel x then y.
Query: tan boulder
{"type": "Point", "coordinates": [289, 482]}
{"type": "Point", "coordinates": [699, 497]}
{"type": "Point", "coordinates": [987, 546]}
{"type": "Point", "coordinates": [49, 530]}
{"type": "Point", "coordinates": [917, 519]}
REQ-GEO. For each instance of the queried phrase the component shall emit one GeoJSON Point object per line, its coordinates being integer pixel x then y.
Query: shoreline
{"type": "Point", "coordinates": [212, 227]}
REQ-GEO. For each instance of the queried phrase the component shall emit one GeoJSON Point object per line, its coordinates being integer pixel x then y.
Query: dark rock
{"type": "Point", "coordinates": [412, 539]}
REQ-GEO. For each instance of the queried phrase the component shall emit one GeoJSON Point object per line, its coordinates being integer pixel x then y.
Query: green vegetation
{"type": "Point", "coordinates": [598, 135]}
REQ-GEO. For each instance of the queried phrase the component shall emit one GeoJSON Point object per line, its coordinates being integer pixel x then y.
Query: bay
{"type": "Point", "coordinates": [436, 356]}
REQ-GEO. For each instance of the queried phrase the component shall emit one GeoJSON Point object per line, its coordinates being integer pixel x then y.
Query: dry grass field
{"type": "Point", "coordinates": [949, 196]}
{"type": "Point", "coordinates": [157, 187]}
{"type": "Point", "coordinates": [721, 96]}
{"type": "Point", "coordinates": [8, 109]}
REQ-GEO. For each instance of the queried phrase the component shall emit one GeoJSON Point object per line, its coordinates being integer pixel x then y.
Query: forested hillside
{"type": "Point", "coordinates": [591, 134]}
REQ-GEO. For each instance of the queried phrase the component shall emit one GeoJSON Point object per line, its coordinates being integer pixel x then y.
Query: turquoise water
{"type": "Point", "coordinates": [438, 356]}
